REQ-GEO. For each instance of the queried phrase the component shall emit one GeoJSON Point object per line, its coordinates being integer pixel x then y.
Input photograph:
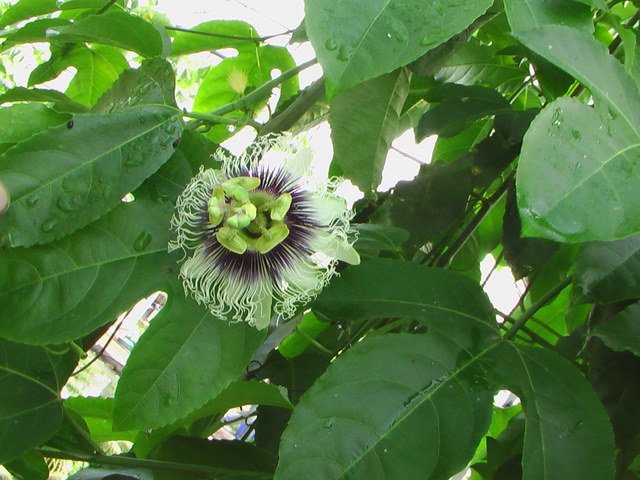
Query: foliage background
{"type": "Point", "coordinates": [391, 372]}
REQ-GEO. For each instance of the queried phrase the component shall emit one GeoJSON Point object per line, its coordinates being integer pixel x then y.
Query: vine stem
{"type": "Point", "coordinates": [446, 257]}
{"type": "Point", "coordinates": [230, 37]}
{"type": "Point", "coordinates": [263, 89]}
{"type": "Point", "coordinates": [520, 322]}
{"type": "Point", "coordinates": [146, 463]}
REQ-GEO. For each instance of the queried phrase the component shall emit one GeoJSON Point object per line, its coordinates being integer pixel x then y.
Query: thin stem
{"type": "Point", "coordinates": [230, 37]}
{"type": "Point", "coordinates": [546, 298]}
{"type": "Point", "coordinates": [459, 242]}
{"type": "Point", "coordinates": [146, 463]}
{"type": "Point", "coordinates": [262, 90]}
{"type": "Point", "coordinates": [406, 155]}
{"type": "Point", "coordinates": [534, 336]}
{"type": "Point", "coordinates": [109, 4]}
{"type": "Point", "coordinates": [101, 352]}
{"type": "Point", "coordinates": [314, 342]}
{"type": "Point", "coordinates": [83, 433]}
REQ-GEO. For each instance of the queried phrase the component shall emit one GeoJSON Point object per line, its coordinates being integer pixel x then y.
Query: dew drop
{"type": "Point", "coordinates": [134, 161]}
{"type": "Point", "coordinates": [141, 119]}
{"type": "Point", "coordinates": [69, 203]}
{"type": "Point", "coordinates": [175, 143]}
{"type": "Point", "coordinates": [327, 423]}
{"type": "Point", "coordinates": [345, 53]}
{"type": "Point", "coordinates": [331, 44]}
{"type": "Point", "coordinates": [143, 240]}
{"type": "Point", "coordinates": [32, 201]}
{"type": "Point", "coordinates": [576, 134]}
{"type": "Point", "coordinates": [427, 41]}
{"type": "Point", "coordinates": [49, 225]}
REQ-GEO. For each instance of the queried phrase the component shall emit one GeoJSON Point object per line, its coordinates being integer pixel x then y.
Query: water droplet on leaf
{"type": "Point", "coordinates": [143, 240]}
{"type": "Point", "coordinates": [345, 53]}
{"type": "Point", "coordinates": [49, 225]}
{"type": "Point", "coordinates": [32, 201]}
{"type": "Point", "coordinates": [330, 44]}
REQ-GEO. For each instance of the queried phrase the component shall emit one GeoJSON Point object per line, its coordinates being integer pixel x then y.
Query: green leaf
{"type": "Point", "coordinates": [33, 32]}
{"type": "Point", "coordinates": [98, 415]}
{"type": "Point", "coordinates": [64, 178]}
{"type": "Point", "coordinates": [568, 434]}
{"type": "Point", "coordinates": [529, 14]}
{"type": "Point", "coordinates": [256, 64]}
{"type": "Point", "coordinates": [221, 36]}
{"type": "Point", "coordinates": [29, 466]}
{"type": "Point", "coordinates": [152, 83]}
{"type": "Point", "coordinates": [160, 385]}
{"type": "Point", "coordinates": [357, 42]}
{"type": "Point", "coordinates": [448, 149]}
{"type": "Point", "coordinates": [229, 459]}
{"type": "Point", "coordinates": [118, 29]}
{"type": "Point", "coordinates": [373, 238]}
{"type": "Point", "coordinates": [379, 288]}
{"type": "Point", "coordinates": [30, 409]}
{"type": "Point", "coordinates": [622, 331]}
{"type": "Point", "coordinates": [25, 9]}
{"type": "Point", "coordinates": [432, 202]}
{"type": "Point", "coordinates": [19, 122]}
{"type": "Point", "coordinates": [578, 170]}
{"type": "Point", "coordinates": [66, 289]}
{"type": "Point", "coordinates": [364, 121]}
{"type": "Point", "coordinates": [607, 272]}
{"type": "Point", "coordinates": [459, 106]}
{"type": "Point", "coordinates": [61, 101]}
{"type": "Point", "coordinates": [296, 343]}
{"type": "Point", "coordinates": [419, 413]}
{"type": "Point", "coordinates": [114, 473]}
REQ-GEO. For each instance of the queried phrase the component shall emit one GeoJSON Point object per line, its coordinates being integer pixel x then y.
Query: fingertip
{"type": "Point", "coordinates": [4, 198]}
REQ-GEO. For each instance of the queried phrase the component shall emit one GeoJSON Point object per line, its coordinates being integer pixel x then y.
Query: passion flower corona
{"type": "Point", "coordinates": [260, 237]}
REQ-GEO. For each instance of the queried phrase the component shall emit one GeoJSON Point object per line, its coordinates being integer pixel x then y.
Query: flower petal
{"type": "Point", "coordinates": [300, 163]}
{"type": "Point", "coordinates": [328, 207]}
{"type": "Point", "coordinates": [336, 247]}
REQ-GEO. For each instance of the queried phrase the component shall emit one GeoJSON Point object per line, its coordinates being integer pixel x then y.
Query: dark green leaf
{"type": "Point", "coordinates": [607, 272]}
{"type": "Point", "coordinates": [36, 31]}
{"type": "Point", "coordinates": [159, 384]}
{"type": "Point", "coordinates": [29, 466]}
{"type": "Point", "coordinates": [357, 42]}
{"type": "Point", "coordinates": [118, 29]}
{"type": "Point", "coordinates": [30, 409]}
{"type": "Point", "coordinates": [364, 121]}
{"type": "Point", "coordinates": [61, 101]}
{"type": "Point", "coordinates": [19, 122]}
{"type": "Point", "coordinates": [64, 178]}
{"type": "Point", "coordinates": [66, 289]}
{"type": "Point", "coordinates": [229, 458]}
{"type": "Point", "coordinates": [567, 433]}
{"type": "Point", "coordinates": [372, 238]}
{"type": "Point", "coordinates": [459, 106]}
{"type": "Point", "coordinates": [448, 149]}
{"type": "Point", "coordinates": [221, 33]}
{"type": "Point", "coordinates": [25, 9]}
{"type": "Point", "coordinates": [418, 414]}
{"type": "Point", "coordinates": [622, 331]}
{"type": "Point", "coordinates": [152, 83]}
{"type": "Point", "coordinates": [528, 14]}
{"type": "Point", "coordinates": [578, 170]}
{"type": "Point", "coordinates": [432, 202]}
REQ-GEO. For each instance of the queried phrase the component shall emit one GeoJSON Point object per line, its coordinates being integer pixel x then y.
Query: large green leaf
{"type": "Point", "coordinates": [30, 409]}
{"type": "Point", "coordinates": [364, 122]}
{"type": "Point", "coordinates": [213, 35]}
{"type": "Point", "coordinates": [19, 122]}
{"type": "Point", "coordinates": [185, 358]}
{"type": "Point", "coordinates": [97, 413]}
{"type": "Point", "coordinates": [119, 29]}
{"type": "Point", "coordinates": [622, 331]}
{"type": "Point", "coordinates": [29, 466]}
{"type": "Point", "coordinates": [378, 288]}
{"type": "Point", "coordinates": [578, 171]}
{"type": "Point", "coordinates": [60, 291]}
{"type": "Point", "coordinates": [567, 433]}
{"type": "Point", "coordinates": [152, 83]}
{"type": "Point", "coordinates": [608, 272]}
{"type": "Point", "coordinates": [358, 41]}
{"type": "Point", "coordinates": [528, 14]}
{"type": "Point", "coordinates": [61, 101]}
{"type": "Point", "coordinates": [397, 406]}
{"type": "Point", "coordinates": [25, 9]}
{"type": "Point", "coordinates": [64, 178]}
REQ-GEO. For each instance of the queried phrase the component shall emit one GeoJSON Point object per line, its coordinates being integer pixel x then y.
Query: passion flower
{"type": "Point", "coordinates": [260, 237]}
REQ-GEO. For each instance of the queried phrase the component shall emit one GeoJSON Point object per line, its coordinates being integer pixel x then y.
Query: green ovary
{"type": "Point", "coordinates": [249, 219]}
